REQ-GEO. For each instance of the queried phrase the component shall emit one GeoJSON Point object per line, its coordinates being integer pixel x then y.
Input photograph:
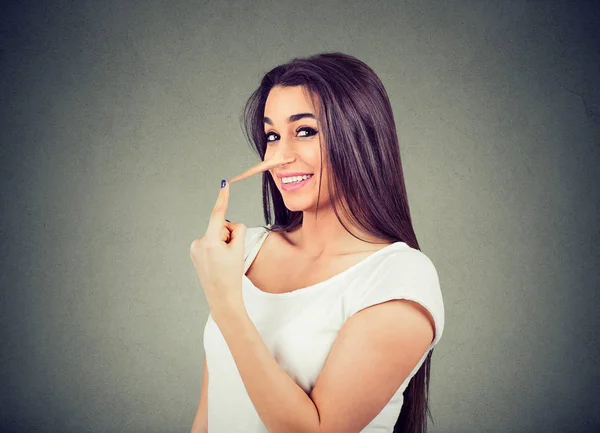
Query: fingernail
{"type": "Point", "coordinates": [223, 183]}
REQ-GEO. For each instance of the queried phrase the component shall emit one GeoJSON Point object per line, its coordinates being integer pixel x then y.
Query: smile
{"type": "Point", "coordinates": [294, 185]}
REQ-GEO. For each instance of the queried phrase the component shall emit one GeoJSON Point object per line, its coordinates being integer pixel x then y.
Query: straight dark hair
{"type": "Point", "coordinates": [363, 158]}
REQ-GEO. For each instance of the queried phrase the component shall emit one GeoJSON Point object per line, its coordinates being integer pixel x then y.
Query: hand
{"type": "Point", "coordinates": [218, 256]}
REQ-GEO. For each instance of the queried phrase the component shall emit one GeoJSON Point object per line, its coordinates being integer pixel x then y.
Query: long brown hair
{"type": "Point", "coordinates": [363, 158]}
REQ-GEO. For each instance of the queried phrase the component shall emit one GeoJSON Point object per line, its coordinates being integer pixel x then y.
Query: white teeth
{"type": "Point", "coordinates": [295, 178]}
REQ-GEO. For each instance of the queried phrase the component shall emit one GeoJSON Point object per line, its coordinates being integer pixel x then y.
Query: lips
{"type": "Point", "coordinates": [294, 185]}
{"type": "Point", "coordinates": [291, 174]}
{"type": "Point", "coordinates": [296, 175]}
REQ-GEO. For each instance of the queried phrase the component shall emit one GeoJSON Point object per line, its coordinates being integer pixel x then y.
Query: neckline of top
{"type": "Point", "coordinates": [312, 286]}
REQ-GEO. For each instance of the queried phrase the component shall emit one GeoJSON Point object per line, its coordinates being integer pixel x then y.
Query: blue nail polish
{"type": "Point", "coordinates": [223, 183]}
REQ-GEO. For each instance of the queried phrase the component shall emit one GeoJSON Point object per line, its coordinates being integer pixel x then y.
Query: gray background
{"type": "Point", "coordinates": [119, 119]}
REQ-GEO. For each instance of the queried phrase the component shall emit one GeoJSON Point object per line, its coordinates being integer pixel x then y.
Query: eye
{"type": "Point", "coordinates": [309, 132]}
{"type": "Point", "coordinates": [269, 134]}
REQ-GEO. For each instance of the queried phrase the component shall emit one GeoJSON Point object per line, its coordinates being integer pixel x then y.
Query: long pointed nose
{"type": "Point", "coordinates": [262, 166]}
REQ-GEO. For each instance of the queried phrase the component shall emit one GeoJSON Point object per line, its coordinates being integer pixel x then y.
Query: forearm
{"type": "Point", "coordinates": [199, 426]}
{"type": "Point", "coordinates": [281, 404]}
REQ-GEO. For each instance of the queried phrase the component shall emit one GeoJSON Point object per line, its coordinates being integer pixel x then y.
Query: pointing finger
{"type": "Point", "coordinates": [217, 216]}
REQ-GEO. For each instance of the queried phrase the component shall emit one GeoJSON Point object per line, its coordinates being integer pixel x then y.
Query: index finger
{"type": "Point", "coordinates": [217, 216]}
{"type": "Point", "coordinates": [260, 167]}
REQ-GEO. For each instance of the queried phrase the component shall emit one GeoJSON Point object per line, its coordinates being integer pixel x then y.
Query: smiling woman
{"type": "Point", "coordinates": [341, 310]}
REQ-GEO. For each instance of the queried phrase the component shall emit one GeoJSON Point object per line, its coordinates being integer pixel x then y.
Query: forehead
{"type": "Point", "coordinates": [283, 101]}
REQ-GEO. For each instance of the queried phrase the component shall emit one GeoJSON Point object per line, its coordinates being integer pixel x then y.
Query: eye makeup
{"type": "Point", "coordinates": [310, 133]}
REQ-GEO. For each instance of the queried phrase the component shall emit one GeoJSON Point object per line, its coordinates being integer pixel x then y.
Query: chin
{"type": "Point", "coordinates": [296, 205]}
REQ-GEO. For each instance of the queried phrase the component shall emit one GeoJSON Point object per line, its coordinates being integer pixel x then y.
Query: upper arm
{"type": "Point", "coordinates": [373, 354]}
{"type": "Point", "coordinates": [201, 419]}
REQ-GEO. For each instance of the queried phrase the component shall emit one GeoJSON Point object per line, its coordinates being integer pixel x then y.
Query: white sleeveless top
{"type": "Point", "coordinates": [300, 327]}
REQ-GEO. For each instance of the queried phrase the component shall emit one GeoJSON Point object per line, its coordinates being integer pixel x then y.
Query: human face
{"type": "Point", "coordinates": [289, 135]}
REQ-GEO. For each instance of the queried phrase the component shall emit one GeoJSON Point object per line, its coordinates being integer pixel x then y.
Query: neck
{"type": "Point", "coordinates": [322, 235]}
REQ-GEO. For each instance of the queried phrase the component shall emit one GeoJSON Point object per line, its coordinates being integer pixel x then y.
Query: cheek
{"type": "Point", "coordinates": [313, 156]}
{"type": "Point", "coordinates": [267, 153]}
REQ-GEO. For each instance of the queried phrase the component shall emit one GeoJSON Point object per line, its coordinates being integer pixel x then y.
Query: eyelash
{"type": "Point", "coordinates": [311, 132]}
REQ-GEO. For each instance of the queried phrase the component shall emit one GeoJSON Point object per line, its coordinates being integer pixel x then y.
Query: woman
{"type": "Point", "coordinates": [339, 310]}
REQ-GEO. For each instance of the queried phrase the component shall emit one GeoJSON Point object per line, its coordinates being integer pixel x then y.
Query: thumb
{"type": "Point", "coordinates": [238, 234]}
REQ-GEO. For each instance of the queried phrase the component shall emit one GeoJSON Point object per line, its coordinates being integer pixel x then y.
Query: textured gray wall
{"type": "Point", "coordinates": [119, 119]}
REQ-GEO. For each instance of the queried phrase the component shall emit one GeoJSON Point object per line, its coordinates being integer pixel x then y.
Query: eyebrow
{"type": "Point", "coordinates": [292, 118]}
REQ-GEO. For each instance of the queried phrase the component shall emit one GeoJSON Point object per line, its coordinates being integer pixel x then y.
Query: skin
{"type": "Point", "coordinates": [365, 367]}
{"type": "Point", "coordinates": [321, 235]}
